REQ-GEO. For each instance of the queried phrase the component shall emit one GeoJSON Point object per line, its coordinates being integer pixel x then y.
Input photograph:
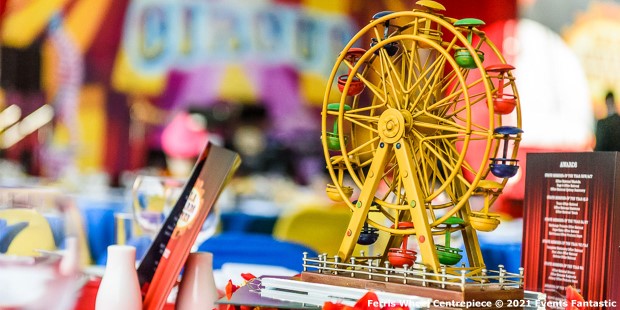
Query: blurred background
{"type": "Point", "coordinates": [100, 88]}
{"type": "Point", "coordinates": [101, 80]}
{"type": "Point", "coordinates": [96, 94]}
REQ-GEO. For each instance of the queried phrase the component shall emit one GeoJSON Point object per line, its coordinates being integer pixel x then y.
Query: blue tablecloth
{"type": "Point", "coordinates": [258, 249]}
{"type": "Point", "coordinates": [507, 254]}
{"type": "Point", "coordinates": [240, 222]}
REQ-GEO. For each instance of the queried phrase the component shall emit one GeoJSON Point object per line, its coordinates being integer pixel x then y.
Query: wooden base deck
{"type": "Point", "coordinates": [445, 298]}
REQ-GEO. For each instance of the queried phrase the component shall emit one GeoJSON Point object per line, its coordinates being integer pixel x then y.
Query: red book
{"type": "Point", "coordinates": [161, 266]}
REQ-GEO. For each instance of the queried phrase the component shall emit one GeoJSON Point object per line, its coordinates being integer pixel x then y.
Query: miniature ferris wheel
{"type": "Point", "coordinates": [400, 141]}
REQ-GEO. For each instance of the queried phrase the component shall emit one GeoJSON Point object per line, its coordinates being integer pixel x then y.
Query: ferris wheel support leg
{"type": "Point", "coordinates": [364, 201]}
{"type": "Point", "coordinates": [419, 217]}
{"type": "Point", "coordinates": [470, 239]}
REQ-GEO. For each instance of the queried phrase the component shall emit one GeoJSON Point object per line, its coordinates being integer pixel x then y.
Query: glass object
{"type": "Point", "coordinates": [153, 199]}
{"type": "Point", "coordinates": [60, 211]}
{"type": "Point", "coordinates": [125, 228]}
{"type": "Point", "coordinates": [42, 248]}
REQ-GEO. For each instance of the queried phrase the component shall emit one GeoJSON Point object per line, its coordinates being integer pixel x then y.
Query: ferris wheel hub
{"type": "Point", "coordinates": [391, 125]}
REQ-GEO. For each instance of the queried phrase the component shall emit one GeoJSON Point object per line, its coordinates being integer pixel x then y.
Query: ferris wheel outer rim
{"type": "Point", "coordinates": [370, 52]}
{"type": "Point", "coordinates": [361, 60]}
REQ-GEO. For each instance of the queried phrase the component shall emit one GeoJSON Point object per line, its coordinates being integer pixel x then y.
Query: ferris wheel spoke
{"type": "Point", "coordinates": [348, 64]}
{"type": "Point", "coordinates": [458, 174]}
{"type": "Point", "coordinates": [409, 58]}
{"type": "Point", "coordinates": [368, 161]}
{"type": "Point", "coordinates": [424, 70]}
{"type": "Point", "coordinates": [414, 61]}
{"type": "Point", "coordinates": [421, 77]}
{"type": "Point", "coordinates": [464, 165]}
{"type": "Point", "coordinates": [390, 168]}
{"type": "Point", "coordinates": [336, 161]}
{"type": "Point", "coordinates": [422, 161]}
{"type": "Point", "coordinates": [378, 92]}
{"type": "Point", "coordinates": [367, 126]}
{"type": "Point", "coordinates": [449, 47]}
{"type": "Point", "coordinates": [433, 85]}
{"type": "Point", "coordinates": [378, 35]}
{"type": "Point", "coordinates": [382, 72]}
{"type": "Point", "coordinates": [440, 150]}
{"type": "Point", "coordinates": [452, 97]}
{"type": "Point", "coordinates": [441, 179]}
{"type": "Point", "coordinates": [464, 182]}
{"type": "Point", "coordinates": [420, 68]}
{"type": "Point", "coordinates": [362, 146]}
{"type": "Point", "coordinates": [403, 60]}
{"type": "Point", "coordinates": [480, 42]}
{"type": "Point", "coordinates": [396, 77]}
{"type": "Point", "coordinates": [361, 119]}
{"type": "Point", "coordinates": [428, 86]}
{"type": "Point", "coordinates": [444, 125]}
{"type": "Point", "coordinates": [448, 101]}
{"type": "Point", "coordinates": [477, 131]}
{"type": "Point", "coordinates": [374, 108]}
{"type": "Point", "coordinates": [437, 201]}
{"type": "Point", "coordinates": [474, 99]}
{"type": "Point", "coordinates": [449, 81]}
{"type": "Point", "coordinates": [437, 187]}
{"type": "Point", "coordinates": [393, 187]}
{"type": "Point", "coordinates": [385, 213]}
{"type": "Point", "coordinates": [445, 128]}
{"type": "Point", "coordinates": [400, 197]}
{"type": "Point", "coordinates": [446, 137]}
{"type": "Point", "coordinates": [389, 85]}
{"type": "Point", "coordinates": [448, 162]}
{"type": "Point", "coordinates": [427, 160]}
{"type": "Point", "coordinates": [415, 85]}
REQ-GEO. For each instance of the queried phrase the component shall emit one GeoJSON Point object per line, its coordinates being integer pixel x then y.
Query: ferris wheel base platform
{"type": "Point", "coordinates": [450, 286]}
{"type": "Point", "coordinates": [447, 297]}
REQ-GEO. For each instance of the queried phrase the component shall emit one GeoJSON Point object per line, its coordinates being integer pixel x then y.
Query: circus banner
{"type": "Point", "coordinates": [195, 52]}
{"type": "Point", "coordinates": [100, 63]}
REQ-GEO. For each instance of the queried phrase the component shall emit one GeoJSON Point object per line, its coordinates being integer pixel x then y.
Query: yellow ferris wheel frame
{"type": "Point", "coordinates": [402, 136]}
